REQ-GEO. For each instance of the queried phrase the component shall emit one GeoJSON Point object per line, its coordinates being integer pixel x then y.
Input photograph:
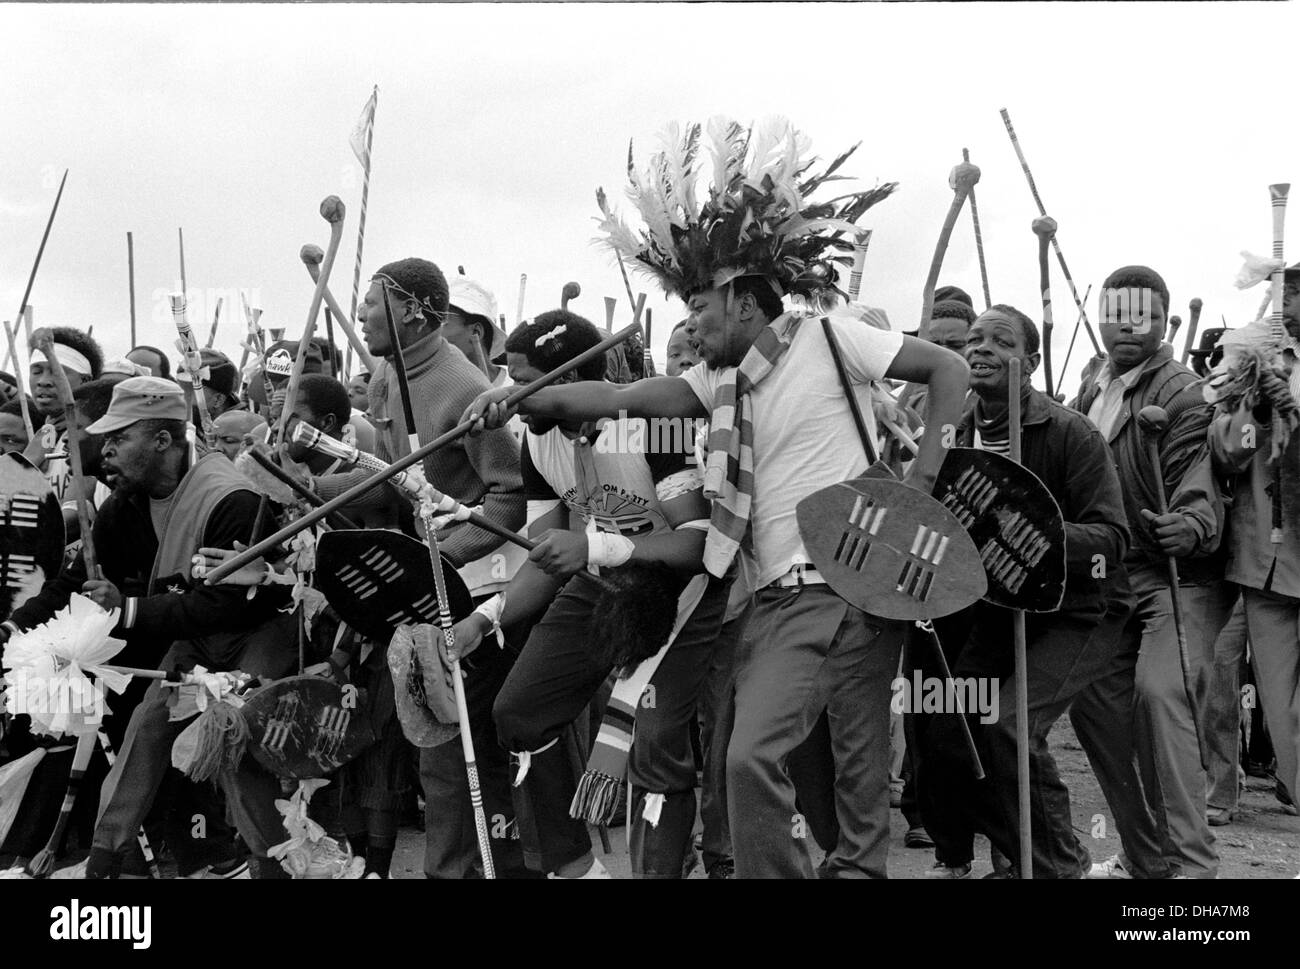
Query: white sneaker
{"type": "Point", "coordinates": [597, 870]}
{"type": "Point", "coordinates": [940, 870]}
{"type": "Point", "coordinates": [1112, 867]}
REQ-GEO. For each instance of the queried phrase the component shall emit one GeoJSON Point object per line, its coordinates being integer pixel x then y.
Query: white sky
{"type": "Point", "coordinates": [1153, 132]}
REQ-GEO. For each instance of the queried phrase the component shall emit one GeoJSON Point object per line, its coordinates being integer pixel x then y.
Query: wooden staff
{"type": "Point", "coordinates": [962, 180]}
{"type": "Point", "coordinates": [1175, 322]}
{"type": "Point", "coordinates": [312, 256]}
{"type": "Point", "coordinates": [18, 380]}
{"type": "Point", "coordinates": [361, 230]}
{"type": "Point", "coordinates": [31, 277]}
{"type": "Point", "coordinates": [648, 364]}
{"type": "Point", "coordinates": [332, 211]}
{"type": "Point", "coordinates": [180, 235]}
{"type": "Point", "coordinates": [415, 457]}
{"type": "Point", "coordinates": [141, 838]}
{"type": "Point", "coordinates": [399, 365]}
{"type": "Point", "coordinates": [979, 238]}
{"type": "Point", "coordinates": [329, 335]}
{"type": "Point", "coordinates": [45, 343]}
{"type": "Point", "coordinates": [1193, 322]}
{"type": "Point", "coordinates": [193, 363]}
{"type": "Point", "coordinates": [255, 340]}
{"type": "Point", "coordinates": [1056, 245]}
{"type": "Point", "coordinates": [636, 302]}
{"type": "Point", "coordinates": [1045, 229]}
{"type": "Point", "coordinates": [1153, 422]}
{"type": "Point", "coordinates": [1022, 662]}
{"type": "Point", "coordinates": [130, 280]}
{"type": "Point", "coordinates": [569, 292]}
{"type": "Point", "coordinates": [216, 319]}
{"type": "Point", "coordinates": [860, 243]}
{"type": "Point", "coordinates": [1074, 334]}
{"type": "Point", "coordinates": [519, 311]}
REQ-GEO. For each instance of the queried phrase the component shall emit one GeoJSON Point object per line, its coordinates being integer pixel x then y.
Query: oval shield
{"type": "Point", "coordinates": [305, 726]}
{"type": "Point", "coordinates": [31, 532]}
{"type": "Point", "coordinates": [890, 550]}
{"type": "Point", "coordinates": [378, 580]}
{"type": "Point", "coordinates": [1015, 523]}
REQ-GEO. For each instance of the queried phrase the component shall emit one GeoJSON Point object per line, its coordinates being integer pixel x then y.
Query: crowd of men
{"type": "Point", "coordinates": [773, 697]}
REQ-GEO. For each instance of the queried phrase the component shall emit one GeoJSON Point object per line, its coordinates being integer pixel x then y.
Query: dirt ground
{"type": "Point", "coordinates": [1261, 842]}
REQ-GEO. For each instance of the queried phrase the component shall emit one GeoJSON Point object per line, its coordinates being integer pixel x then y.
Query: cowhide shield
{"type": "Point", "coordinates": [1015, 523]}
{"type": "Point", "coordinates": [422, 686]}
{"type": "Point", "coordinates": [305, 726]}
{"type": "Point", "coordinates": [890, 550]}
{"type": "Point", "coordinates": [31, 532]}
{"type": "Point", "coordinates": [377, 580]}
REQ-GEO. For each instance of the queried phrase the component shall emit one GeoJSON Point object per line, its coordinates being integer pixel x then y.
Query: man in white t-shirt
{"type": "Point", "coordinates": [804, 648]}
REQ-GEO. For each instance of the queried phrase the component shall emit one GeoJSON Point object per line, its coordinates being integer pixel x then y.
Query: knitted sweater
{"type": "Point", "coordinates": [479, 468]}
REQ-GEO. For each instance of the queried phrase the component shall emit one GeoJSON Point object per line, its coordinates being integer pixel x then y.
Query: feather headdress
{"type": "Point", "coordinates": [756, 218]}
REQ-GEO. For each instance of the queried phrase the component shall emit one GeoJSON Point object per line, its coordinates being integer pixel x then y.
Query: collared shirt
{"type": "Point", "coordinates": [1105, 410]}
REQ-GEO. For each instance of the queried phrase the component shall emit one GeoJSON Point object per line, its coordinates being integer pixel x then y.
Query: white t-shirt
{"type": "Point", "coordinates": [804, 435]}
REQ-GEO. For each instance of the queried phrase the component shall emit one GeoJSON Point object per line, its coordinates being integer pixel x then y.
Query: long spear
{"type": "Point", "coordinates": [1065, 270]}
{"type": "Point", "coordinates": [130, 280]}
{"type": "Point", "coordinates": [31, 278]}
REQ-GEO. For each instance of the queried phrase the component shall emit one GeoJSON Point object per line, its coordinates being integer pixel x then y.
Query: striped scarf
{"type": "Point", "coordinates": [729, 475]}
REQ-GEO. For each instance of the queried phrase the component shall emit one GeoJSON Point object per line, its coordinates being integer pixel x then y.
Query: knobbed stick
{"type": "Point", "coordinates": [962, 180]}
{"type": "Point", "coordinates": [1021, 655]}
{"type": "Point", "coordinates": [1175, 322]}
{"type": "Point", "coordinates": [570, 291]}
{"type": "Point", "coordinates": [979, 238]}
{"type": "Point", "coordinates": [1045, 229]}
{"type": "Point", "coordinates": [1194, 321]}
{"type": "Point", "coordinates": [332, 211]}
{"type": "Point", "coordinates": [312, 256]}
{"type": "Point", "coordinates": [1065, 270]}
{"type": "Point", "coordinates": [45, 343]}
{"type": "Point", "coordinates": [31, 277]}
{"type": "Point", "coordinates": [416, 456]}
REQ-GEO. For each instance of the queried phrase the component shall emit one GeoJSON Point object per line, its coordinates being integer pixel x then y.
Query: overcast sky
{"type": "Point", "coordinates": [1153, 132]}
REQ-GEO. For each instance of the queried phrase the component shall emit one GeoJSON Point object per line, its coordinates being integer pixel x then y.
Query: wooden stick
{"type": "Point", "coordinates": [399, 365]}
{"type": "Point", "coordinates": [519, 311]}
{"type": "Point", "coordinates": [976, 764]}
{"type": "Point", "coordinates": [361, 233]}
{"type": "Point", "coordinates": [332, 211]}
{"type": "Point", "coordinates": [42, 864]}
{"type": "Point", "coordinates": [1070, 349]}
{"type": "Point", "coordinates": [23, 308]}
{"type": "Point", "coordinates": [329, 335]}
{"type": "Point", "coordinates": [415, 457]}
{"type": "Point", "coordinates": [570, 291]}
{"type": "Point", "coordinates": [964, 178]}
{"type": "Point", "coordinates": [85, 520]}
{"type": "Point", "coordinates": [1045, 229]}
{"type": "Point", "coordinates": [1175, 322]}
{"type": "Point", "coordinates": [1056, 245]}
{"type": "Point", "coordinates": [1194, 320]}
{"type": "Point", "coordinates": [312, 256]}
{"type": "Point", "coordinates": [193, 363]}
{"type": "Point", "coordinates": [1021, 655]}
{"type": "Point", "coordinates": [337, 519]}
{"type": "Point", "coordinates": [216, 319]}
{"type": "Point", "coordinates": [130, 280]}
{"type": "Point", "coordinates": [180, 235]}
{"type": "Point", "coordinates": [979, 239]}
{"type": "Point", "coordinates": [18, 379]}
{"type": "Point", "coordinates": [141, 838]}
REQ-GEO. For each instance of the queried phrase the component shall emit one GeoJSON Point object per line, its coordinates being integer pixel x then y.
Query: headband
{"type": "Point", "coordinates": [72, 360]}
{"type": "Point", "coordinates": [422, 303]}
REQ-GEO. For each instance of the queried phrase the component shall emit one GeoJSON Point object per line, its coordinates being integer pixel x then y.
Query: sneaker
{"type": "Point", "coordinates": [597, 870]}
{"type": "Point", "coordinates": [1112, 867]}
{"type": "Point", "coordinates": [235, 868]}
{"type": "Point", "coordinates": [917, 837]}
{"type": "Point", "coordinates": [940, 870]}
{"type": "Point", "coordinates": [1218, 817]}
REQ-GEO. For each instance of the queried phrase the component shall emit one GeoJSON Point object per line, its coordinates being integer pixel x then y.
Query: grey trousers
{"type": "Point", "coordinates": [1274, 625]}
{"type": "Point", "coordinates": [1221, 711]}
{"type": "Point", "coordinates": [805, 650]}
{"type": "Point", "coordinates": [1171, 761]}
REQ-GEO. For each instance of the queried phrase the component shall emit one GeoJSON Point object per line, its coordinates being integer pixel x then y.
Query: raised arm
{"type": "Point", "coordinates": [947, 378]}
{"type": "Point", "coordinates": [589, 400]}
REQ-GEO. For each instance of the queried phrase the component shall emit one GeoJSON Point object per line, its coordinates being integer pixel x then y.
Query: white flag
{"type": "Point", "coordinates": [361, 133]}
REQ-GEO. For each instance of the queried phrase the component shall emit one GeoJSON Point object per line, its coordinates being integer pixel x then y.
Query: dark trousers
{"type": "Point", "coordinates": [717, 714]}
{"type": "Point", "coordinates": [1074, 664]}
{"type": "Point", "coordinates": [551, 685]}
{"type": "Point", "coordinates": [450, 837]}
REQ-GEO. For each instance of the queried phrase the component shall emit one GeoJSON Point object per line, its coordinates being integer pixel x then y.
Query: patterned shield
{"type": "Point", "coordinates": [305, 726]}
{"type": "Point", "coordinates": [1015, 522]}
{"type": "Point", "coordinates": [377, 580]}
{"type": "Point", "coordinates": [890, 550]}
{"type": "Point", "coordinates": [31, 532]}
